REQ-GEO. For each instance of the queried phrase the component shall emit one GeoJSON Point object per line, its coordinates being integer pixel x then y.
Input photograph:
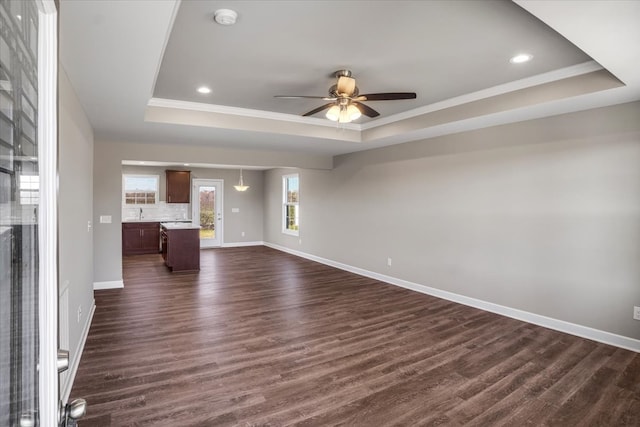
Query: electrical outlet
{"type": "Point", "coordinates": [79, 313]}
{"type": "Point", "coordinates": [388, 262]}
{"type": "Point", "coordinates": [242, 234]}
{"type": "Point", "coordinates": [636, 312]}
{"type": "Point", "coordinates": [299, 241]}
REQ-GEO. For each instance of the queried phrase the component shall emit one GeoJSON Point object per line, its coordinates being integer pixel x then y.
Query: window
{"type": "Point", "coordinates": [140, 189]}
{"type": "Point", "coordinates": [290, 205]}
{"type": "Point", "coordinates": [29, 189]}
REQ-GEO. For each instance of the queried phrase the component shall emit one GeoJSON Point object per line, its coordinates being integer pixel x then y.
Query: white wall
{"type": "Point", "coordinates": [75, 211]}
{"type": "Point", "coordinates": [541, 216]}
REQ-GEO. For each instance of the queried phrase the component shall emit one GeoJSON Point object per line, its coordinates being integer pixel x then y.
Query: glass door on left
{"type": "Point", "coordinates": [19, 205]}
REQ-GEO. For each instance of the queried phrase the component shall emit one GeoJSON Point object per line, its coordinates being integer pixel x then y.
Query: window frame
{"type": "Point", "coordinates": [139, 175]}
{"type": "Point", "coordinates": [286, 204]}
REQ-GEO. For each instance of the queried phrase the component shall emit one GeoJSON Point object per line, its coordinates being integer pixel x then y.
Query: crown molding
{"type": "Point", "coordinates": [247, 112]}
{"type": "Point", "coordinates": [551, 76]}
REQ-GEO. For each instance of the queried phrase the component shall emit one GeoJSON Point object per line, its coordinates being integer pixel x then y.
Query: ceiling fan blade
{"type": "Point", "coordinates": [317, 110]}
{"type": "Point", "coordinates": [366, 110]}
{"type": "Point", "coordinates": [390, 96]}
{"type": "Point", "coordinates": [346, 85]}
{"type": "Point", "coordinates": [326, 98]}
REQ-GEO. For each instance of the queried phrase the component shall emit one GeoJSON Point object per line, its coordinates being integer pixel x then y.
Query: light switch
{"type": "Point", "coordinates": [105, 219]}
{"type": "Point", "coordinates": [235, 210]}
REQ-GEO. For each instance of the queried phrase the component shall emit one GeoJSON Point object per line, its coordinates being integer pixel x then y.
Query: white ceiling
{"type": "Point", "coordinates": [135, 66]}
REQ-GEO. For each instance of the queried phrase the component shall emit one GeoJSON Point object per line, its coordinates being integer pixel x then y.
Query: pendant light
{"type": "Point", "coordinates": [241, 186]}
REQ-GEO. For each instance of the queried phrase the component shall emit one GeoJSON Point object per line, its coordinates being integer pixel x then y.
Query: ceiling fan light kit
{"type": "Point", "coordinates": [333, 113]}
{"type": "Point", "coordinates": [346, 102]}
{"type": "Point", "coordinates": [343, 114]}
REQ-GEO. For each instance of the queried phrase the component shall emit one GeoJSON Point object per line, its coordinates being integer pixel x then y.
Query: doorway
{"type": "Point", "coordinates": [207, 210]}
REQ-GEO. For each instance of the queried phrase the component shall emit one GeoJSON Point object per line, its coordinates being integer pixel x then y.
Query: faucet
{"type": "Point", "coordinates": [140, 214]}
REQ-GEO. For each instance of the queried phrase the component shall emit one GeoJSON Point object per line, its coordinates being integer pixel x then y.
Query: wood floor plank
{"type": "Point", "coordinates": [258, 337]}
{"type": "Point", "coordinates": [587, 399]}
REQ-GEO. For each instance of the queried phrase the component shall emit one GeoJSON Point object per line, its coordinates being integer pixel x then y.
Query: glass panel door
{"type": "Point", "coordinates": [207, 211]}
{"type": "Point", "coordinates": [19, 205]}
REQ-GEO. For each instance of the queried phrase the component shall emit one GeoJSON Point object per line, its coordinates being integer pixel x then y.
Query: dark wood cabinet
{"type": "Point", "coordinates": [140, 238]}
{"type": "Point", "coordinates": [178, 186]}
{"type": "Point", "coordinates": [181, 249]}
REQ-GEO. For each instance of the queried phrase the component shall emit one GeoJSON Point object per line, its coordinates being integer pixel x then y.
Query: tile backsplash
{"type": "Point", "coordinates": [161, 211]}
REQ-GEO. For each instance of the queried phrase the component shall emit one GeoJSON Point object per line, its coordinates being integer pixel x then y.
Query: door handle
{"type": "Point", "coordinates": [72, 412]}
{"type": "Point", "coordinates": [63, 360]}
{"type": "Point", "coordinates": [77, 409]}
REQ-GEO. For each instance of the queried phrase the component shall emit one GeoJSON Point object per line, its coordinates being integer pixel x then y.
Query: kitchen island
{"type": "Point", "coordinates": [181, 246]}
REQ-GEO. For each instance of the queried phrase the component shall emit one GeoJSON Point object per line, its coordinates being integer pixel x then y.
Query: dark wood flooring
{"type": "Point", "coordinates": [262, 338]}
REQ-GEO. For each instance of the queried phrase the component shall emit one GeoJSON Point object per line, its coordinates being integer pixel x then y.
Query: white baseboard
{"type": "Point", "coordinates": [114, 284]}
{"type": "Point", "coordinates": [77, 355]}
{"type": "Point", "coordinates": [241, 244]}
{"type": "Point", "coordinates": [536, 319]}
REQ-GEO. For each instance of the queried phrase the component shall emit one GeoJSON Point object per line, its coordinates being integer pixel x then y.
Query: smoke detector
{"type": "Point", "coordinates": [225, 16]}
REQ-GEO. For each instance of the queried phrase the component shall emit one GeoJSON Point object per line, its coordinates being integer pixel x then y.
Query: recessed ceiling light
{"type": "Point", "coordinates": [19, 17]}
{"type": "Point", "coordinates": [204, 89]}
{"type": "Point", "coordinates": [225, 16]}
{"type": "Point", "coordinates": [520, 58]}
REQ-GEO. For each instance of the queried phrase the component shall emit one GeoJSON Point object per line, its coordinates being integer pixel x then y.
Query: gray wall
{"type": "Point", "coordinates": [75, 210]}
{"type": "Point", "coordinates": [541, 216]}
{"type": "Point", "coordinates": [107, 200]}
{"type": "Point", "coordinates": [249, 219]}
{"type": "Point", "coordinates": [108, 157]}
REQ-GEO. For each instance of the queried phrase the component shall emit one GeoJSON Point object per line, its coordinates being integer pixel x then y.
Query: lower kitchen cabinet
{"type": "Point", "coordinates": [181, 248]}
{"type": "Point", "coordinates": [140, 238]}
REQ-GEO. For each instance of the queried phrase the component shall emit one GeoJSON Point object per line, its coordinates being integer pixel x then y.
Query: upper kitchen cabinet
{"type": "Point", "coordinates": [178, 186]}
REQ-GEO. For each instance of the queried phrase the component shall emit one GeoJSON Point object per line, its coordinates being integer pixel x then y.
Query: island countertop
{"type": "Point", "coordinates": [179, 225]}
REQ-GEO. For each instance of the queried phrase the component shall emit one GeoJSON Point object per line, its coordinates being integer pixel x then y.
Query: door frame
{"type": "Point", "coordinates": [48, 393]}
{"type": "Point", "coordinates": [195, 207]}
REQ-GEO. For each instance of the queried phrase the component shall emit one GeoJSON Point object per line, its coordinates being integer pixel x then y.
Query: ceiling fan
{"type": "Point", "coordinates": [346, 102]}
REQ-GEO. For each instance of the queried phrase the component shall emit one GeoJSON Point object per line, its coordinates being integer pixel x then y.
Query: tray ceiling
{"type": "Point", "coordinates": [136, 65]}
